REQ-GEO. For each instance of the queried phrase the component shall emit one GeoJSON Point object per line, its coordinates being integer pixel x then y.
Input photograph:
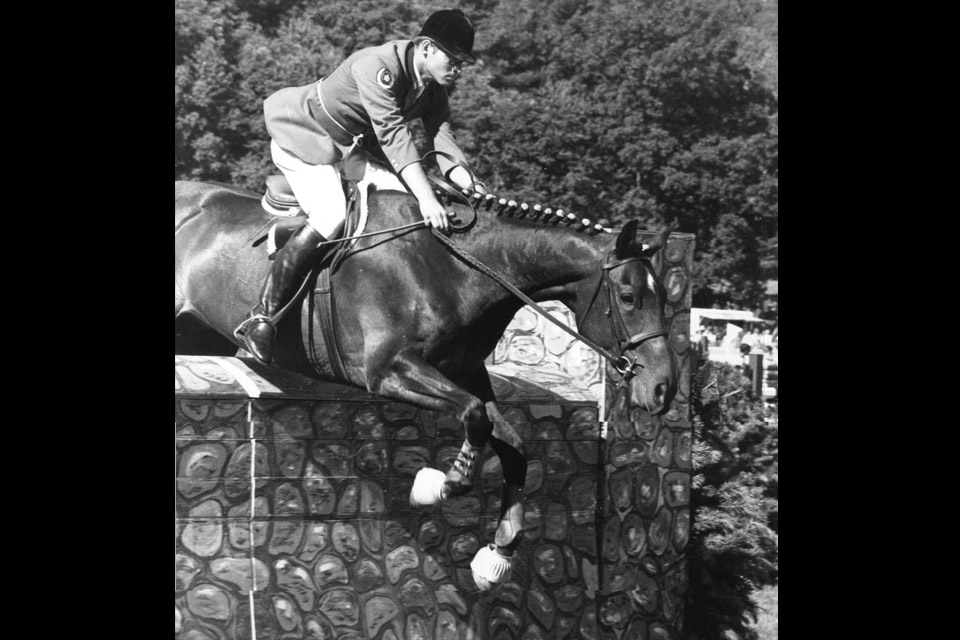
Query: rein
{"type": "Point", "coordinates": [621, 363]}
{"type": "Point", "coordinates": [303, 285]}
{"type": "Point", "coordinates": [440, 184]}
{"type": "Point", "coordinates": [624, 366]}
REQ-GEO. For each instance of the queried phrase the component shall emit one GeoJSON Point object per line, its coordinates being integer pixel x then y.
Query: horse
{"type": "Point", "coordinates": [415, 317]}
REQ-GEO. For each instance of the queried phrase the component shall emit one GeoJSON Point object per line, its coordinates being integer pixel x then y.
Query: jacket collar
{"type": "Point", "coordinates": [411, 67]}
{"type": "Point", "coordinates": [418, 85]}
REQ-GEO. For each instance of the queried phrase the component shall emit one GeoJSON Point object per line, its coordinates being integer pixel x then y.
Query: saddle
{"type": "Point", "coordinates": [286, 217]}
{"type": "Point", "coordinates": [360, 171]}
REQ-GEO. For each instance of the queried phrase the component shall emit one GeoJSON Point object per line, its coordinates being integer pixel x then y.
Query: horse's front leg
{"type": "Point", "coordinates": [508, 445]}
{"type": "Point", "coordinates": [408, 377]}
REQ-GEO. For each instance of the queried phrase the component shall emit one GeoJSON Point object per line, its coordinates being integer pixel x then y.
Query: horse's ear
{"type": "Point", "coordinates": [626, 241]}
{"type": "Point", "coordinates": [659, 242]}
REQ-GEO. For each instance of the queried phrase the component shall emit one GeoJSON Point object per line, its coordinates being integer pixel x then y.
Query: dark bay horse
{"type": "Point", "coordinates": [415, 321]}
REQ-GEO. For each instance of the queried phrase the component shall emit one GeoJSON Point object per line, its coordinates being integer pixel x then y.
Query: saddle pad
{"type": "Point", "coordinates": [279, 194]}
{"type": "Point", "coordinates": [374, 179]}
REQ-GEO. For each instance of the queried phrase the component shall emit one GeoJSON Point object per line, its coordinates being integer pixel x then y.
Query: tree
{"type": "Point", "coordinates": [663, 111]}
{"type": "Point", "coordinates": [733, 550]}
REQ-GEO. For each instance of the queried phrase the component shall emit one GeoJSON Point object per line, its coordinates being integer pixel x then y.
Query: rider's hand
{"type": "Point", "coordinates": [435, 214]}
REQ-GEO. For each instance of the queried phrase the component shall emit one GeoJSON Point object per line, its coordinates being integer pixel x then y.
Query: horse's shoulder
{"type": "Point", "coordinates": [390, 198]}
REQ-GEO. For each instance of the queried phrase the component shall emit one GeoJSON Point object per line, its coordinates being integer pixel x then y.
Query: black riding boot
{"type": "Point", "coordinates": [290, 267]}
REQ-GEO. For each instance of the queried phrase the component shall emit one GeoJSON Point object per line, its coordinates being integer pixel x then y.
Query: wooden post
{"type": "Point", "coordinates": [756, 376]}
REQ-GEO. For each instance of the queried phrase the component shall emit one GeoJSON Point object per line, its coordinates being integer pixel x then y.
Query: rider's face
{"type": "Point", "coordinates": [439, 66]}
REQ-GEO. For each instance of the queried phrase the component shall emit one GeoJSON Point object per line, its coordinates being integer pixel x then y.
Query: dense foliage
{"type": "Point", "coordinates": [662, 110]}
{"type": "Point", "coordinates": [734, 547]}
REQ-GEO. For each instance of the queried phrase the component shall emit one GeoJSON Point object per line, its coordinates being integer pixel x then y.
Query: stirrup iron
{"type": "Point", "coordinates": [241, 329]}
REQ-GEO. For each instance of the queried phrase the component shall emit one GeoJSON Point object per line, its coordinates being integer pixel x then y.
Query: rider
{"type": "Point", "coordinates": [369, 97]}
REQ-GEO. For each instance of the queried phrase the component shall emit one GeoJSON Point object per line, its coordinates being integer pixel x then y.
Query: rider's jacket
{"type": "Point", "coordinates": [372, 94]}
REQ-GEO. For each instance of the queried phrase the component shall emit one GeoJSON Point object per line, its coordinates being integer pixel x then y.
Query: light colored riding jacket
{"type": "Point", "coordinates": [371, 94]}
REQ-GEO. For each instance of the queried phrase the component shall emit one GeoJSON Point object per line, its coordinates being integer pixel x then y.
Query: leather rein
{"type": "Point", "coordinates": [624, 366]}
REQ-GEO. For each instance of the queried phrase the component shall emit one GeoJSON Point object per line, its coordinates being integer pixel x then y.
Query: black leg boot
{"type": "Point", "coordinates": [290, 267]}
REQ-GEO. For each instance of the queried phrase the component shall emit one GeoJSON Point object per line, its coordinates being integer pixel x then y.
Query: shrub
{"type": "Point", "coordinates": [734, 547]}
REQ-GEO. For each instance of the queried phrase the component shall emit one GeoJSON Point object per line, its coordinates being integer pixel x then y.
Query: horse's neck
{"type": "Point", "coordinates": [546, 263]}
{"type": "Point", "coordinates": [543, 261]}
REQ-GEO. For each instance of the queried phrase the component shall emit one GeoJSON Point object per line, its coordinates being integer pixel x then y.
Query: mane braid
{"type": "Point", "coordinates": [510, 209]}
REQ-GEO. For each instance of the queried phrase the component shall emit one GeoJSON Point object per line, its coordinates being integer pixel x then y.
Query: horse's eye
{"type": "Point", "coordinates": [627, 298]}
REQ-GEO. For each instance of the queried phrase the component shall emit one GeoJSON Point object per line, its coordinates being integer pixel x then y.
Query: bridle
{"type": "Point", "coordinates": [625, 341]}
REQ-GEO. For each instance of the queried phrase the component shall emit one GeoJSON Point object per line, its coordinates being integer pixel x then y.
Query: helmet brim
{"type": "Point", "coordinates": [456, 54]}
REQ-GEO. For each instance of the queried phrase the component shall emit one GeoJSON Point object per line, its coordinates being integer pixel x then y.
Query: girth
{"type": "Point", "coordinates": [320, 310]}
{"type": "Point", "coordinates": [320, 313]}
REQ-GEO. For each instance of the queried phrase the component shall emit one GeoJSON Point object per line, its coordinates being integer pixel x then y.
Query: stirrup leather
{"type": "Point", "coordinates": [241, 330]}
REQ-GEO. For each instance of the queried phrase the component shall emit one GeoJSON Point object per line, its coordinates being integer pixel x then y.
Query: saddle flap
{"type": "Point", "coordinates": [279, 194]}
{"type": "Point", "coordinates": [281, 231]}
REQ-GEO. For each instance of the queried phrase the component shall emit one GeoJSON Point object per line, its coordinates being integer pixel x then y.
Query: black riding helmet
{"type": "Point", "coordinates": [452, 32]}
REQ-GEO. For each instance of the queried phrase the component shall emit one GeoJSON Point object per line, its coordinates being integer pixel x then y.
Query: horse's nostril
{"type": "Point", "coordinates": [660, 391]}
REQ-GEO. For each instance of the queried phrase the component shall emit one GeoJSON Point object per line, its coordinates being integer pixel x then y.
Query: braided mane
{"type": "Point", "coordinates": [511, 209]}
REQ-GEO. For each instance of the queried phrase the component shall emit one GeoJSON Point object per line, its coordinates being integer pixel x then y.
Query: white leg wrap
{"type": "Point", "coordinates": [427, 487]}
{"type": "Point", "coordinates": [490, 568]}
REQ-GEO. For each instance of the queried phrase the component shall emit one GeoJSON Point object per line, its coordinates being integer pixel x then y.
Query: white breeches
{"type": "Point", "coordinates": [318, 190]}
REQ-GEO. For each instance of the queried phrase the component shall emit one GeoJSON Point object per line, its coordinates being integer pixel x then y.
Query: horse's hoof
{"type": "Point", "coordinates": [490, 569]}
{"type": "Point", "coordinates": [427, 487]}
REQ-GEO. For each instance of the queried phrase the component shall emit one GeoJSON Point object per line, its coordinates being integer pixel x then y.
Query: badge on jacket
{"type": "Point", "coordinates": [385, 78]}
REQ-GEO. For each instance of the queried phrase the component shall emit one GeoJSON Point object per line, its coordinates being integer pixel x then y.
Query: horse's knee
{"type": "Point", "coordinates": [505, 432]}
{"type": "Point", "coordinates": [513, 459]}
{"type": "Point", "coordinates": [474, 412]}
{"type": "Point", "coordinates": [478, 425]}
